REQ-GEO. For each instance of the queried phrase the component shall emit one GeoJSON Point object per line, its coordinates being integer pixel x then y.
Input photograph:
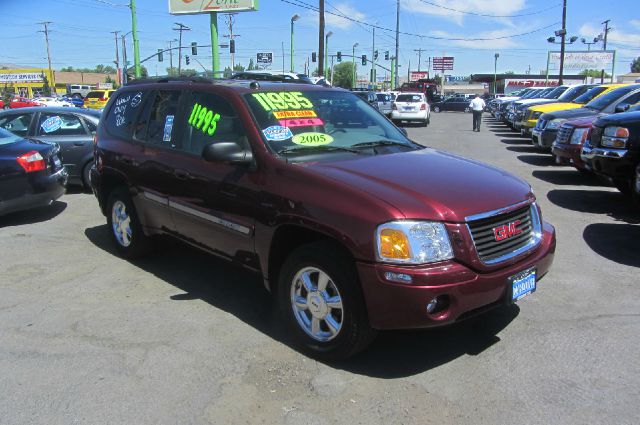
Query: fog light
{"type": "Point", "coordinates": [398, 277]}
{"type": "Point", "coordinates": [432, 305]}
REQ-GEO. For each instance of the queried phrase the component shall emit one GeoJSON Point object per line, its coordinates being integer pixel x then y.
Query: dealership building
{"type": "Point", "coordinates": [29, 82]}
{"type": "Point", "coordinates": [507, 83]}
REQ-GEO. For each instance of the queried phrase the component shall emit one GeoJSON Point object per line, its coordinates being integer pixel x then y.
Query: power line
{"type": "Point", "coordinates": [315, 9]}
{"type": "Point", "coordinates": [488, 15]}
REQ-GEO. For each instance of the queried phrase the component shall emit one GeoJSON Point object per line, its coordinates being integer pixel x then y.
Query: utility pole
{"type": "Point", "coordinates": [52, 83]}
{"type": "Point", "coordinates": [118, 80]}
{"type": "Point", "coordinates": [171, 53]}
{"type": "Point", "coordinates": [563, 34]}
{"type": "Point", "coordinates": [321, 38]}
{"type": "Point", "coordinates": [606, 32]}
{"type": "Point", "coordinates": [231, 36]}
{"type": "Point", "coordinates": [136, 42]}
{"type": "Point", "coordinates": [124, 58]}
{"type": "Point", "coordinates": [373, 58]}
{"type": "Point", "coordinates": [395, 83]}
{"type": "Point", "coordinates": [419, 56]}
{"type": "Point", "coordinates": [180, 28]}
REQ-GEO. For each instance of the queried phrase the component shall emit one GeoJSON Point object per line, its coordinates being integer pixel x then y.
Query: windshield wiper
{"type": "Point", "coordinates": [381, 143]}
{"type": "Point", "coordinates": [325, 148]}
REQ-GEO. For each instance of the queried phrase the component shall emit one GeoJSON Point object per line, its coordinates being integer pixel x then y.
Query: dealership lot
{"type": "Point", "coordinates": [181, 337]}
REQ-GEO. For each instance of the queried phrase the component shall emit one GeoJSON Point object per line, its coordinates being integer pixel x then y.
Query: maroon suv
{"type": "Point", "coordinates": [353, 226]}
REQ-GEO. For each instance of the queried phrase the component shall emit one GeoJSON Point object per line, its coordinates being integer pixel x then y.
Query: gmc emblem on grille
{"type": "Point", "coordinates": [506, 231]}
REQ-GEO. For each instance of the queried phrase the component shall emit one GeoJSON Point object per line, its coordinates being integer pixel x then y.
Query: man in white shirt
{"type": "Point", "coordinates": [477, 106]}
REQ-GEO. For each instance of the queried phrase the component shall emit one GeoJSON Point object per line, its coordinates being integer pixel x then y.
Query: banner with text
{"type": "Point", "coordinates": [180, 7]}
{"type": "Point", "coordinates": [580, 61]}
{"type": "Point", "coordinates": [26, 77]}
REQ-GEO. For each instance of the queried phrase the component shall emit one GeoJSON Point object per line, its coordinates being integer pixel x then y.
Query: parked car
{"type": "Point", "coordinates": [97, 99]}
{"type": "Point", "coordinates": [71, 128]}
{"type": "Point", "coordinates": [613, 151]}
{"type": "Point", "coordinates": [460, 104]}
{"type": "Point", "coordinates": [75, 99]}
{"type": "Point", "coordinates": [266, 75]}
{"type": "Point", "coordinates": [411, 107]}
{"type": "Point", "coordinates": [354, 227]}
{"type": "Point", "coordinates": [54, 101]}
{"type": "Point", "coordinates": [368, 96]}
{"type": "Point", "coordinates": [384, 103]}
{"type": "Point", "coordinates": [79, 89]}
{"type": "Point", "coordinates": [23, 102]}
{"type": "Point", "coordinates": [31, 173]}
{"type": "Point", "coordinates": [618, 100]}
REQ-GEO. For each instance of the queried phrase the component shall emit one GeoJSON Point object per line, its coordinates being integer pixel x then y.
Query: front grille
{"type": "Point", "coordinates": [490, 250]}
{"type": "Point", "coordinates": [564, 134]}
{"type": "Point", "coordinates": [596, 136]}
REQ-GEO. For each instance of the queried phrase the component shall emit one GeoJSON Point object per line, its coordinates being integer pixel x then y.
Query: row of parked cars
{"type": "Point", "coordinates": [592, 127]}
{"type": "Point", "coordinates": [96, 99]}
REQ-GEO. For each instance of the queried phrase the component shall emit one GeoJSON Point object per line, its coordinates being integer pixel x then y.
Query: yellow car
{"type": "Point", "coordinates": [534, 112]}
{"type": "Point", "coordinates": [97, 99]}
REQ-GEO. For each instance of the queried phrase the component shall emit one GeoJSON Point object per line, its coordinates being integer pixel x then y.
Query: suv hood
{"type": "Point", "coordinates": [569, 114]}
{"type": "Point", "coordinates": [556, 106]}
{"type": "Point", "coordinates": [428, 184]}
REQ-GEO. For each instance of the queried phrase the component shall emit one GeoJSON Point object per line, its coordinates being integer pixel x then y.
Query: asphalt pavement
{"type": "Point", "coordinates": [183, 338]}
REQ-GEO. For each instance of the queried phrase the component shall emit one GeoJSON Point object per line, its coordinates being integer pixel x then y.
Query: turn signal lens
{"type": "Point", "coordinates": [615, 137]}
{"type": "Point", "coordinates": [423, 107]}
{"type": "Point", "coordinates": [32, 162]}
{"type": "Point", "coordinates": [394, 244]}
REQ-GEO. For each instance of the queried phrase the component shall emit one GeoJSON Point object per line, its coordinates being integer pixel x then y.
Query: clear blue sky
{"type": "Point", "coordinates": [80, 31]}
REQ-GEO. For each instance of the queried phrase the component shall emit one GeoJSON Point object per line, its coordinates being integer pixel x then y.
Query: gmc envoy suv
{"type": "Point", "coordinates": [354, 227]}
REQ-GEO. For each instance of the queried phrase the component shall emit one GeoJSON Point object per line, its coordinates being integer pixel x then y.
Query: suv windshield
{"type": "Point", "coordinates": [293, 122]}
{"type": "Point", "coordinates": [572, 93]}
{"type": "Point", "coordinates": [409, 98]}
{"type": "Point", "coordinates": [606, 99]}
{"type": "Point", "coordinates": [555, 93]}
{"type": "Point", "coordinates": [589, 95]}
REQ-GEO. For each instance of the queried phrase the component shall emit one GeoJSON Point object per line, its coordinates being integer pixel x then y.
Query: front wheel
{"type": "Point", "coordinates": [322, 304]}
{"type": "Point", "coordinates": [436, 109]}
{"type": "Point", "coordinates": [124, 226]}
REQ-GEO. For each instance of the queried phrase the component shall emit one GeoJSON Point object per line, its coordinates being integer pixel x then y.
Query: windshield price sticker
{"type": "Point", "coordinates": [51, 124]}
{"type": "Point", "coordinates": [203, 119]}
{"type": "Point", "coordinates": [277, 133]}
{"type": "Point", "coordinates": [302, 122]}
{"type": "Point", "coordinates": [275, 101]}
{"type": "Point", "coordinates": [312, 139]}
{"type": "Point", "coordinates": [294, 114]}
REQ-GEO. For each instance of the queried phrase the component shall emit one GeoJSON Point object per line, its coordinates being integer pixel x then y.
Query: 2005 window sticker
{"type": "Point", "coordinates": [277, 101]}
{"type": "Point", "coordinates": [312, 139]}
{"type": "Point", "coordinates": [204, 119]}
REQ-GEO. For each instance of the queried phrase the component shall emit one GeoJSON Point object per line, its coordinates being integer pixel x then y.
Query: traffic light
{"type": "Point", "coordinates": [194, 48]}
{"type": "Point", "coordinates": [386, 55]}
{"type": "Point", "coordinates": [375, 55]}
{"type": "Point", "coordinates": [339, 54]}
{"type": "Point", "coordinates": [232, 46]}
{"type": "Point", "coordinates": [160, 58]}
{"type": "Point", "coordinates": [187, 59]}
{"type": "Point", "coordinates": [313, 56]}
{"type": "Point", "coordinates": [364, 59]}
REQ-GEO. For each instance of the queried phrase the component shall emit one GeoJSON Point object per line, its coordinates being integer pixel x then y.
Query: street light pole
{"type": "Point", "coordinates": [353, 56]}
{"type": "Point", "coordinates": [495, 73]}
{"type": "Point", "coordinates": [293, 19]}
{"type": "Point", "coordinates": [326, 52]}
{"type": "Point", "coordinates": [563, 35]}
{"type": "Point", "coordinates": [397, 43]}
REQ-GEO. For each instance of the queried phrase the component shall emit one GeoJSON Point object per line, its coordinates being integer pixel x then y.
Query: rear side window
{"type": "Point", "coordinates": [409, 98]}
{"type": "Point", "coordinates": [17, 124]}
{"type": "Point", "coordinates": [96, 94]}
{"type": "Point", "coordinates": [209, 118]}
{"type": "Point", "coordinates": [60, 125]}
{"type": "Point", "coordinates": [122, 114]}
{"type": "Point", "coordinates": [156, 123]}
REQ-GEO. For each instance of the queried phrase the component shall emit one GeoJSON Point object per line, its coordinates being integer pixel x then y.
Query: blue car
{"type": "Point", "coordinates": [76, 99]}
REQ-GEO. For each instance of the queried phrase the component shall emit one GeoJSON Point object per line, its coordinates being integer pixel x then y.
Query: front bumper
{"type": "Point", "coordinates": [543, 138]}
{"type": "Point", "coordinates": [613, 163]}
{"type": "Point", "coordinates": [403, 306]}
{"type": "Point", "coordinates": [409, 116]}
{"type": "Point", "coordinates": [570, 152]}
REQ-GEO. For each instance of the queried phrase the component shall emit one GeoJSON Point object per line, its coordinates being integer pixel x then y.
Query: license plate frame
{"type": "Point", "coordinates": [522, 284]}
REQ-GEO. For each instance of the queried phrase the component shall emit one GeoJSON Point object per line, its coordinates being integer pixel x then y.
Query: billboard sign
{"type": "Point", "coordinates": [418, 75]}
{"type": "Point", "coordinates": [444, 63]}
{"type": "Point", "coordinates": [183, 7]}
{"type": "Point", "coordinates": [264, 58]}
{"type": "Point", "coordinates": [21, 77]}
{"type": "Point", "coordinates": [582, 60]}
{"type": "Point", "coordinates": [513, 84]}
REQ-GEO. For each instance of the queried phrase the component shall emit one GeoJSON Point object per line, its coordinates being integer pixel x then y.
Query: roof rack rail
{"type": "Point", "coordinates": [171, 79]}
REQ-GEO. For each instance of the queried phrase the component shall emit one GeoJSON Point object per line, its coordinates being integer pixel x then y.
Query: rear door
{"type": "Point", "coordinates": [17, 123]}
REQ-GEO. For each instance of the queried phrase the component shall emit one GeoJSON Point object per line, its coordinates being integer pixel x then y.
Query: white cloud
{"type": "Point", "coordinates": [635, 22]}
{"type": "Point", "coordinates": [332, 20]}
{"type": "Point", "coordinates": [489, 7]}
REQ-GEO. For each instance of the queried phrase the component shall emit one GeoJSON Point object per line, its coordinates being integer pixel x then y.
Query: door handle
{"type": "Point", "coordinates": [181, 174]}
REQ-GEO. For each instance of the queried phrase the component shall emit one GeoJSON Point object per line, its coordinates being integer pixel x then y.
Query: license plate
{"type": "Point", "coordinates": [408, 109]}
{"type": "Point", "coordinates": [522, 284]}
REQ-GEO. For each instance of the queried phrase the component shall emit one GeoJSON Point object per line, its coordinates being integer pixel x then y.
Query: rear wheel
{"type": "Point", "coordinates": [124, 226]}
{"type": "Point", "coordinates": [322, 304]}
{"type": "Point", "coordinates": [86, 175]}
{"type": "Point", "coordinates": [467, 109]}
{"type": "Point", "coordinates": [436, 109]}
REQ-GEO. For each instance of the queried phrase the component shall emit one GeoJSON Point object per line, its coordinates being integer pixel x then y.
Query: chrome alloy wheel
{"type": "Point", "coordinates": [121, 223]}
{"type": "Point", "coordinates": [317, 304]}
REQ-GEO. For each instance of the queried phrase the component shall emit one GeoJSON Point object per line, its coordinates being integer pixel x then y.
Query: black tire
{"type": "Point", "coordinates": [86, 175]}
{"type": "Point", "coordinates": [635, 188]}
{"type": "Point", "coordinates": [396, 122]}
{"type": "Point", "coordinates": [354, 334]}
{"type": "Point", "coordinates": [139, 244]}
{"type": "Point", "coordinates": [436, 109]}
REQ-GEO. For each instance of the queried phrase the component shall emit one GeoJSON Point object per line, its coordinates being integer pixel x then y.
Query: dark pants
{"type": "Point", "coordinates": [477, 119]}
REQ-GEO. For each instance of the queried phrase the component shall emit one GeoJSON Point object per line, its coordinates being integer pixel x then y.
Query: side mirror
{"type": "Point", "coordinates": [230, 152]}
{"type": "Point", "coordinates": [622, 107]}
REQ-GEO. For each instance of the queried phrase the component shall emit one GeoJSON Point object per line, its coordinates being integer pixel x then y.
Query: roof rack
{"type": "Point", "coordinates": [171, 79]}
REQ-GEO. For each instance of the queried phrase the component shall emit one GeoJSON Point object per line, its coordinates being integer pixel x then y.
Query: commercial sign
{"type": "Point", "coordinates": [455, 78]}
{"type": "Point", "coordinates": [21, 77]}
{"type": "Point", "coordinates": [582, 60]}
{"type": "Point", "coordinates": [264, 58]}
{"type": "Point", "coordinates": [418, 75]}
{"type": "Point", "coordinates": [444, 63]}
{"type": "Point", "coordinates": [513, 84]}
{"type": "Point", "coordinates": [181, 7]}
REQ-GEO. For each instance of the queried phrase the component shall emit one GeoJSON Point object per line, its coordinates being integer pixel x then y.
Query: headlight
{"type": "Point", "coordinates": [615, 137]}
{"type": "Point", "coordinates": [554, 124]}
{"type": "Point", "coordinates": [578, 136]}
{"type": "Point", "coordinates": [413, 242]}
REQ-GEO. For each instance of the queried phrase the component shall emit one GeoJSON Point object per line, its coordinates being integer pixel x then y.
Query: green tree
{"type": "Point", "coordinates": [238, 68]}
{"type": "Point", "coordinates": [251, 66]}
{"type": "Point", "coordinates": [46, 88]}
{"type": "Point", "coordinates": [342, 75]}
{"type": "Point", "coordinates": [635, 65]}
{"type": "Point", "coordinates": [227, 72]}
{"type": "Point", "coordinates": [6, 96]}
{"type": "Point", "coordinates": [593, 73]}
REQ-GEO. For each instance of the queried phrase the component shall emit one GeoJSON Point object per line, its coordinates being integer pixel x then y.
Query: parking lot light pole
{"type": "Point", "coordinates": [326, 52]}
{"type": "Point", "coordinates": [495, 73]}
{"type": "Point", "coordinates": [293, 19]}
{"type": "Point", "coordinates": [353, 58]}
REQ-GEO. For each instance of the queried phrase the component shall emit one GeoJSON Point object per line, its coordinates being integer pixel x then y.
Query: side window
{"type": "Point", "coordinates": [60, 125]}
{"type": "Point", "coordinates": [209, 118]}
{"type": "Point", "coordinates": [17, 124]}
{"type": "Point", "coordinates": [162, 112]}
{"type": "Point", "coordinates": [121, 117]}
{"type": "Point", "coordinates": [633, 99]}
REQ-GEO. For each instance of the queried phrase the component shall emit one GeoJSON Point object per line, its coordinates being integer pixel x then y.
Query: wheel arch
{"type": "Point", "coordinates": [109, 180]}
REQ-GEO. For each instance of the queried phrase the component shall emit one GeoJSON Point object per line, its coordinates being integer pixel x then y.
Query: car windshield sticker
{"type": "Point", "coordinates": [302, 122]}
{"type": "Point", "coordinates": [203, 119]}
{"type": "Point", "coordinates": [51, 124]}
{"type": "Point", "coordinates": [277, 133]}
{"type": "Point", "coordinates": [285, 100]}
{"type": "Point", "coordinates": [136, 100]}
{"type": "Point", "coordinates": [312, 139]}
{"type": "Point", "coordinates": [168, 126]}
{"type": "Point", "coordinates": [294, 114]}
